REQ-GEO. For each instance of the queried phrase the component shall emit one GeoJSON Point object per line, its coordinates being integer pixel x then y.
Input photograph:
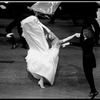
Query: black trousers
{"type": "Point", "coordinates": [89, 76]}
{"type": "Point", "coordinates": [16, 22]}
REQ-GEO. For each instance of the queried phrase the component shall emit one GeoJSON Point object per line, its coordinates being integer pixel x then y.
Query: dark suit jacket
{"type": "Point", "coordinates": [18, 9]}
{"type": "Point", "coordinates": [89, 60]}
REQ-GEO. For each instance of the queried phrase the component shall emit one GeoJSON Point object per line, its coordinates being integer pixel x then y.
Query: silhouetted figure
{"type": "Point", "coordinates": [89, 61]}
{"type": "Point", "coordinates": [64, 8]}
{"type": "Point", "coordinates": [19, 10]}
{"type": "Point", "coordinates": [41, 59]}
{"type": "Point", "coordinates": [90, 16]}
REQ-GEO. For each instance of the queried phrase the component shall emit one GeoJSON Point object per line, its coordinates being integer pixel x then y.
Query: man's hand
{"type": "Point", "coordinates": [28, 7]}
{"type": "Point", "coordinates": [9, 35]}
{"type": "Point", "coordinates": [2, 7]}
{"type": "Point", "coordinates": [65, 44]}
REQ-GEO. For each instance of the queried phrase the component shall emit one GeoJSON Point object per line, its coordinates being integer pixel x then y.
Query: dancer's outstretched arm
{"type": "Point", "coordinates": [70, 37]}
{"type": "Point", "coordinates": [61, 42]}
{"type": "Point", "coordinates": [68, 43]}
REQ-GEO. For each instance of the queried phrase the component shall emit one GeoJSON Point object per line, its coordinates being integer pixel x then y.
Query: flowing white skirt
{"type": "Point", "coordinates": [43, 63]}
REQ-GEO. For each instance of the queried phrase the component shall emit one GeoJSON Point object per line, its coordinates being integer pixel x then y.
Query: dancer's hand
{"type": "Point", "coordinates": [28, 7]}
{"type": "Point", "coordinates": [9, 35]}
{"type": "Point", "coordinates": [2, 7]}
{"type": "Point", "coordinates": [77, 34]}
{"type": "Point", "coordinates": [65, 44]}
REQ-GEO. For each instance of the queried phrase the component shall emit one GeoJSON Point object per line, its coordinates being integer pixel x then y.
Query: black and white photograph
{"type": "Point", "coordinates": [49, 49]}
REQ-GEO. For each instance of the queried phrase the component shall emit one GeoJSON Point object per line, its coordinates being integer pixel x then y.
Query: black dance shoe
{"type": "Point", "coordinates": [93, 94]}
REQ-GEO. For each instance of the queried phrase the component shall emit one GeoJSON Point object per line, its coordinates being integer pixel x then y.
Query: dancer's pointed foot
{"type": "Point", "coordinates": [41, 83]}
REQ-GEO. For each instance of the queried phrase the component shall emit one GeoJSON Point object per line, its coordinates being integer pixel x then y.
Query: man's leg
{"type": "Point", "coordinates": [24, 43]}
{"type": "Point", "coordinates": [9, 31]}
{"type": "Point", "coordinates": [89, 76]}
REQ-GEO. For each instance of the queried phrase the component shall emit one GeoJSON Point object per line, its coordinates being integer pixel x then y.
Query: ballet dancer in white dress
{"type": "Point", "coordinates": [41, 60]}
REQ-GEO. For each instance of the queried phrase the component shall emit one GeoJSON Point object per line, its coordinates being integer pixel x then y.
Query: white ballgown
{"type": "Point", "coordinates": [41, 60]}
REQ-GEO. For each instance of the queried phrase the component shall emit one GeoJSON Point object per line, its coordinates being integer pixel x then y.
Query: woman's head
{"type": "Point", "coordinates": [87, 33]}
